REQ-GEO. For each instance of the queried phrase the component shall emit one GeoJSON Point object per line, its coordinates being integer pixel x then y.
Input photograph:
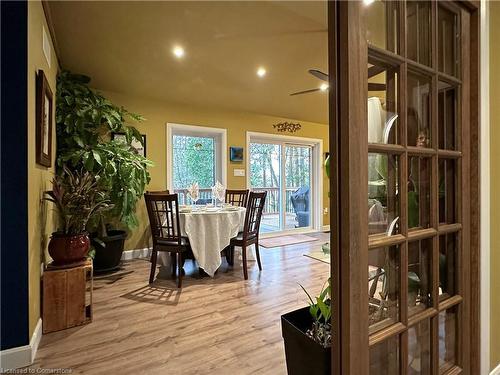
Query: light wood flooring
{"type": "Point", "coordinates": [221, 325]}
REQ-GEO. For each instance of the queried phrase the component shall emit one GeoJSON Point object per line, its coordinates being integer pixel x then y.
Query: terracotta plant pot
{"type": "Point", "coordinates": [65, 248]}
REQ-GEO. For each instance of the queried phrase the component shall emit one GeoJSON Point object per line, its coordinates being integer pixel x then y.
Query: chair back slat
{"type": "Point", "coordinates": [237, 197]}
{"type": "Point", "coordinates": [163, 212]}
{"type": "Point", "coordinates": [255, 207]}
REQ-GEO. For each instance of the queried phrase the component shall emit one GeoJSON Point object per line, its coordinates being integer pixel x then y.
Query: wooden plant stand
{"type": "Point", "coordinates": [67, 296]}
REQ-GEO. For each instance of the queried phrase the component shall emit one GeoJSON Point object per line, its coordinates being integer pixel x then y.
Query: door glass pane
{"type": "Point", "coordinates": [298, 186]}
{"type": "Point", "coordinates": [382, 21]}
{"type": "Point", "coordinates": [418, 21]}
{"type": "Point", "coordinates": [383, 115]}
{"type": "Point", "coordinates": [419, 348]}
{"type": "Point", "coordinates": [383, 287]}
{"type": "Point", "coordinates": [447, 191]}
{"type": "Point", "coordinates": [447, 115]}
{"type": "Point", "coordinates": [265, 167]}
{"type": "Point", "coordinates": [419, 110]}
{"type": "Point", "coordinates": [383, 201]}
{"type": "Point", "coordinates": [419, 189]}
{"type": "Point", "coordinates": [448, 256]}
{"type": "Point", "coordinates": [448, 337]}
{"type": "Point", "coordinates": [419, 275]}
{"type": "Point", "coordinates": [384, 357]}
{"type": "Point", "coordinates": [447, 41]}
{"type": "Point", "coordinates": [189, 154]}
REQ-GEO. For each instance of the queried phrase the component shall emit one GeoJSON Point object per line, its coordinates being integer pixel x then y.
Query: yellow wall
{"type": "Point", "coordinates": [495, 182]}
{"type": "Point", "coordinates": [237, 123]}
{"type": "Point", "coordinates": [40, 218]}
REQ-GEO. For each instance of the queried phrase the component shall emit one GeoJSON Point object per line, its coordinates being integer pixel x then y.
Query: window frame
{"type": "Point", "coordinates": [220, 137]}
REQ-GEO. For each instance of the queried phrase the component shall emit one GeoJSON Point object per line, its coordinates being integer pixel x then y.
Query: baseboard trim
{"type": "Point", "coordinates": [136, 253]}
{"type": "Point", "coordinates": [496, 370]}
{"type": "Point", "coordinates": [21, 356]}
{"type": "Point", "coordinates": [326, 228]}
{"type": "Point", "coordinates": [35, 339]}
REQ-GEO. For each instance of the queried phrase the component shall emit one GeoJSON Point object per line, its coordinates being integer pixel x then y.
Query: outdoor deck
{"type": "Point", "coordinates": [271, 222]}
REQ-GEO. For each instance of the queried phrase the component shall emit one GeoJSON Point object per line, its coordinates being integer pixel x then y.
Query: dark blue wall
{"type": "Point", "coordinates": [14, 176]}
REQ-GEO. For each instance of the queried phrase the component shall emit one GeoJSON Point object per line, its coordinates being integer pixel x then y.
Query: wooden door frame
{"type": "Point", "coordinates": [349, 263]}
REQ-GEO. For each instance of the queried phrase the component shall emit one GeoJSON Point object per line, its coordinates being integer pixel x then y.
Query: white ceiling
{"type": "Point", "coordinates": [126, 47]}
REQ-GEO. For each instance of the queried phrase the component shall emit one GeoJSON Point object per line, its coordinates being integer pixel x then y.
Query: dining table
{"type": "Point", "coordinates": [209, 230]}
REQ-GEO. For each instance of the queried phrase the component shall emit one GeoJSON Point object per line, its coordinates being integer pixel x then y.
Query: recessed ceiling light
{"type": "Point", "coordinates": [368, 2]}
{"type": "Point", "coordinates": [324, 87]}
{"type": "Point", "coordinates": [261, 72]}
{"type": "Point", "coordinates": [178, 51]}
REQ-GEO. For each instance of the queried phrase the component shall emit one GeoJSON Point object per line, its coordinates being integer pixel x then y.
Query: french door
{"type": "Point", "coordinates": [400, 139]}
{"type": "Point", "coordinates": [285, 171]}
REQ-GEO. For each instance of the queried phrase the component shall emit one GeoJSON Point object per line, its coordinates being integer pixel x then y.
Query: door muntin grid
{"type": "Point", "coordinates": [420, 308]}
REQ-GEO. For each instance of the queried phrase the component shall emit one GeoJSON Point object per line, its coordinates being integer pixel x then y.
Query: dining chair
{"type": "Point", "coordinates": [250, 234]}
{"type": "Point", "coordinates": [237, 197]}
{"type": "Point", "coordinates": [159, 192]}
{"type": "Point", "coordinates": [163, 212]}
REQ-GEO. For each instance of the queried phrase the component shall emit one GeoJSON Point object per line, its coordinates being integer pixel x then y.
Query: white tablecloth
{"type": "Point", "coordinates": [209, 232]}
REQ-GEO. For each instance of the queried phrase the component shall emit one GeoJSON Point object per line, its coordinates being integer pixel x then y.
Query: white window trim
{"type": "Point", "coordinates": [317, 181]}
{"type": "Point", "coordinates": [200, 131]}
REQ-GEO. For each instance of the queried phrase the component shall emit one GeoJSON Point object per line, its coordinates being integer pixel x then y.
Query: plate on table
{"type": "Point", "coordinates": [231, 208]}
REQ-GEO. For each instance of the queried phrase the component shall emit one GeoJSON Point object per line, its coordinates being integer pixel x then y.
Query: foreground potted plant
{"type": "Point", "coordinates": [77, 197]}
{"type": "Point", "coordinates": [85, 122]}
{"type": "Point", "coordinates": [307, 336]}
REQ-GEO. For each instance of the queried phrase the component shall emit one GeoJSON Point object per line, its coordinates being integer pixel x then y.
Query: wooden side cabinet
{"type": "Point", "coordinates": [67, 296]}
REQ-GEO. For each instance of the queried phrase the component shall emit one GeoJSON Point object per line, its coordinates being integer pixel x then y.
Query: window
{"type": "Point", "coordinates": [196, 154]}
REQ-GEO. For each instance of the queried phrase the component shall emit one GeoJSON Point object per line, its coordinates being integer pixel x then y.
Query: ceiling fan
{"type": "Point", "coordinates": [372, 71]}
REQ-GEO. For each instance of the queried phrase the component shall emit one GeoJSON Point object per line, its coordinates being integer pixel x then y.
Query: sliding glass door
{"type": "Point", "coordinates": [284, 170]}
{"type": "Point", "coordinates": [297, 176]}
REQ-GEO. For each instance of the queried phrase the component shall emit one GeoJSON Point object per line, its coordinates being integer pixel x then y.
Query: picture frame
{"type": "Point", "coordinates": [236, 154]}
{"type": "Point", "coordinates": [140, 149]}
{"type": "Point", "coordinates": [44, 119]}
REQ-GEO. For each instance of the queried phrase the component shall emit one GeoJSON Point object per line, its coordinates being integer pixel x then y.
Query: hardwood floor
{"type": "Point", "coordinates": [224, 325]}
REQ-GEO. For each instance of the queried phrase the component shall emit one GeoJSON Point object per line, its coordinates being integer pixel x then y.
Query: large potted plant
{"type": "Point", "coordinates": [77, 197]}
{"type": "Point", "coordinates": [85, 120]}
{"type": "Point", "coordinates": [307, 336]}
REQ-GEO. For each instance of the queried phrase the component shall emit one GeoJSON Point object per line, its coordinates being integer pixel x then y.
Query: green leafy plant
{"type": "Point", "coordinates": [85, 120]}
{"type": "Point", "coordinates": [77, 196]}
{"type": "Point", "coordinates": [320, 310]}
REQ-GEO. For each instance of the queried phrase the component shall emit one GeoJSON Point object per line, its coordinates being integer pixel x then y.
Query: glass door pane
{"type": "Point", "coordinates": [298, 192]}
{"type": "Point", "coordinates": [414, 175]}
{"type": "Point", "coordinates": [265, 175]}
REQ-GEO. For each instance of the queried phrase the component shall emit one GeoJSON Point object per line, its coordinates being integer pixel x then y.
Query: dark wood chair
{"type": "Point", "coordinates": [158, 192]}
{"type": "Point", "coordinates": [237, 197]}
{"type": "Point", "coordinates": [163, 212]}
{"type": "Point", "coordinates": [250, 234]}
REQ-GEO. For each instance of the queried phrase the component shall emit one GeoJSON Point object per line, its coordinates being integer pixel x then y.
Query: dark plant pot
{"type": "Point", "coordinates": [304, 356]}
{"type": "Point", "coordinates": [108, 258]}
{"type": "Point", "coordinates": [66, 249]}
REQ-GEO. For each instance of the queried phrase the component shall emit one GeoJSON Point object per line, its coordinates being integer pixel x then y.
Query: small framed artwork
{"type": "Point", "coordinates": [43, 136]}
{"type": "Point", "coordinates": [236, 154]}
{"type": "Point", "coordinates": [136, 145]}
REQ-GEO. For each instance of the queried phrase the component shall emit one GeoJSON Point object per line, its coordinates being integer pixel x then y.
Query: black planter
{"type": "Point", "coordinates": [304, 356]}
{"type": "Point", "coordinates": [108, 258]}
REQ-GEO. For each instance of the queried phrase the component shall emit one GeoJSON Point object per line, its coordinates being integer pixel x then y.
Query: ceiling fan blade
{"type": "Point", "coordinates": [376, 87]}
{"type": "Point", "coordinates": [374, 70]}
{"type": "Point", "coordinates": [319, 74]}
{"type": "Point", "coordinates": [304, 92]}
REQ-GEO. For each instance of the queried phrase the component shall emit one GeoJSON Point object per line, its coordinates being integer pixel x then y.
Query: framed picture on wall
{"type": "Point", "coordinates": [136, 145]}
{"type": "Point", "coordinates": [236, 154]}
{"type": "Point", "coordinates": [43, 137]}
